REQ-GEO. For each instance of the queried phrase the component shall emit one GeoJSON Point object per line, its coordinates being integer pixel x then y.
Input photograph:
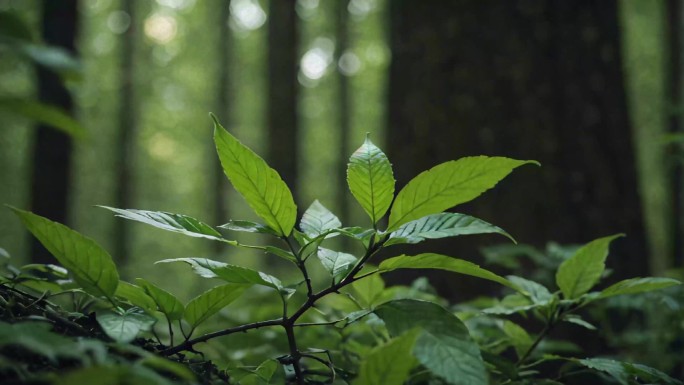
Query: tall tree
{"type": "Point", "coordinates": [222, 111]}
{"type": "Point", "coordinates": [344, 108]}
{"type": "Point", "coordinates": [52, 148]}
{"type": "Point", "coordinates": [282, 90]}
{"type": "Point", "coordinates": [128, 120]}
{"type": "Point", "coordinates": [675, 84]}
{"type": "Point", "coordinates": [530, 80]}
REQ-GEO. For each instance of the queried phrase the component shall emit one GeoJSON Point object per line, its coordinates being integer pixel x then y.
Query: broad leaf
{"type": "Point", "coordinates": [638, 285]}
{"type": "Point", "coordinates": [166, 302]}
{"type": "Point", "coordinates": [371, 180]}
{"type": "Point", "coordinates": [627, 373]}
{"type": "Point", "coordinates": [577, 320]}
{"type": "Point", "coordinates": [336, 263]}
{"type": "Point", "coordinates": [212, 301]}
{"type": "Point", "coordinates": [36, 337]}
{"type": "Point", "coordinates": [113, 374]}
{"type": "Point", "coordinates": [538, 293]}
{"type": "Point", "coordinates": [260, 185]}
{"type": "Point", "coordinates": [444, 347]}
{"type": "Point", "coordinates": [518, 337]}
{"type": "Point", "coordinates": [369, 289]}
{"type": "Point", "coordinates": [208, 268]}
{"type": "Point", "coordinates": [125, 327]}
{"type": "Point", "coordinates": [249, 227]}
{"type": "Point", "coordinates": [442, 225]}
{"type": "Point", "coordinates": [578, 274]}
{"type": "Point", "coordinates": [442, 262]}
{"type": "Point", "coordinates": [389, 364]}
{"type": "Point", "coordinates": [136, 295]}
{"type": "Point", "coordinates": [48, 114]}
{"type": "Point", "coordinates": [169, 221]}
{"type": "Point", "coordinates": [90, 265]}
{"type": "Point", "coordinates": [318, 220]}
{"type": "Point", "coordinates": [447, 185]}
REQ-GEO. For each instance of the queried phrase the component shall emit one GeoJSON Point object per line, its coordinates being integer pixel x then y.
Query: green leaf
{"type": "Point", "coordinates": [208, 268]}
{"type": "Point", "coordinates": [249, 227]}
{"type": "Point", "coordinates": [336, 263]}
{"type": "Point", "coordinates": [538, 293]}
{"type": "Point", "coordinates": [169, 221]}
{"type": "Point", "coordinates": [518, 337]}
{"type": "Point", "coordinates": [318, 220]}
{"type": "Point", "coordinates": [112, 375]}
{"type": "Point", "coordinates": [442, 225]}
{"type": "Point", "coordinates": [389, 364]}
{"type": "Point", "coordinates": [625, 373]}
{"type": "Point", "coordinates": [444, 347]}
{"type": "Point", "coordinates": [90, 265]}
{"type": "Point", "coordinates": [167, 303]}
{"type": "Point", "coordinates": [261, 186]}
{"type": "Point", "coordinates": [442, 262]}
{"type": "Point", "coordinates": [371, 180]}
{"type": "Point", "coordinates": [369, 289]}
{"type": "Point", "coordinates": [125, 327]}
{"type": "Point", "coordinates": [44, 113]}
{"type": "Point", "coordinates": [447, 185]}
{"type": "Point", "coordinates": [577, 320]}
{"type": "Point", "coordinates": [211, 301]}
{"type": "Point", "coordinates": [277, 251]}
{"type": "Point", "coordinates": [637, 285]}
{"type": "Point", "coordinates": [136, 295]}
{"type": "Point", "coordinates": [36, 337]}
{"type": "Point", "coordinates": [578, 274]}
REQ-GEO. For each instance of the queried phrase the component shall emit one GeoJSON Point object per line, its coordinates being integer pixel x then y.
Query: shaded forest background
{"type": "Point", "coordinates": [590, 89]}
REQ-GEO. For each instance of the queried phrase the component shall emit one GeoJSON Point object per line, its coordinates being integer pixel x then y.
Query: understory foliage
{"type": "Point", "coordinates": [346, 327]}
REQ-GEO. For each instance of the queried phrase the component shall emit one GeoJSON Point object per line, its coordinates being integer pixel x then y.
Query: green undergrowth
{"type": "Point", "coordinates": [337, 322]}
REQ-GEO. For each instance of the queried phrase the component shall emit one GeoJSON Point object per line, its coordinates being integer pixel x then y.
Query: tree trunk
{"type": "Point", "coordinates": [282, 90]}
{"type": "Point", "coordinates": [52, 148]}
{"type": "Point", "coordinates": [529, 80]}
{"type": "Point", "coordinates": [219, 185]}
{"type": "Point", "coordinates": [128, 120]}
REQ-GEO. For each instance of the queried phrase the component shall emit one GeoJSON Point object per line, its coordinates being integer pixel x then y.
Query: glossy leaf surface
{"type": "Point", "coordinates": [444, 347]}
{"type": "Point", "coordinates": [442, 262]}
{"type": "Point", "coordinates": [125, 327]}
{"type": "Point", "coordinates": [578, 274]}
{"type": "Point", "coordinates": [447, 185]}
{"type": "Point", "coordinates": [371, 180]}
{"type": "Point", "coordinates": [212, 301]}
{"type": "Point", "coordinates": [178, 223]}
{"type": "Point", "coordinates": [90, 265]}
{"type": "Point", "coordinates": [167, 303]}
{"type": "Point", "coordinates": [442, 225]}
{"type": "Point", "coordinates": [261, 186]}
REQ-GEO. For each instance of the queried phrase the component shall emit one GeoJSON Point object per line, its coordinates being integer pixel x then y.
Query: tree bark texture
{"type": "Point", "coordinates": [282, 90]}
{"type": "Point", "coordinates": [535, 80]}
{"type": "Point", "coordinates": [52, 148]}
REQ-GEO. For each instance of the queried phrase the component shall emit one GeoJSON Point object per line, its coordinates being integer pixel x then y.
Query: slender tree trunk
{"type": "Point", "coordinates": [128, 120]}
{"type": "Point", "coordinates": [282, 90]}
{"type": "Point", "coordinates": [345, 111]}
{"type": "Point", "coordinates": [530, 80]}
{"type": "Point", "coordinates": [52, 148]}
{"type": "Point", "coordinates": [219, 208]}
{"type": "Point", "coordinates": [675, 83]}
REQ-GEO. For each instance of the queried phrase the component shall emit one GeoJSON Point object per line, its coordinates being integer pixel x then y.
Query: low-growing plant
{"type": "Point", "coordinates": [356, 330]}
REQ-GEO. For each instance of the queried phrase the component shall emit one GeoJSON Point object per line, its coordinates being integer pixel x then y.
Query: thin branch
{"type": "Point", "coordinates": [242, 328]}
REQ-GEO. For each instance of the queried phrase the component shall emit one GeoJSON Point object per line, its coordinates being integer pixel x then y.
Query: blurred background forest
{"type": "Point", "coordinates": [105, 102]}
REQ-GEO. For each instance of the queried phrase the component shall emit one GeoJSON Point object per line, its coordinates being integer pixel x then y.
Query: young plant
{"type": "Point", "coordinates": [385, 335]}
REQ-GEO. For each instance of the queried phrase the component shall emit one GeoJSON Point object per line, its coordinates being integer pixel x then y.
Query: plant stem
{"type": "Point", "coordinates": [242, 328]}
{"type": "Point", "coordinates": [295, 355]}
{"type": "Point", "coordinates": [300, 265]}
